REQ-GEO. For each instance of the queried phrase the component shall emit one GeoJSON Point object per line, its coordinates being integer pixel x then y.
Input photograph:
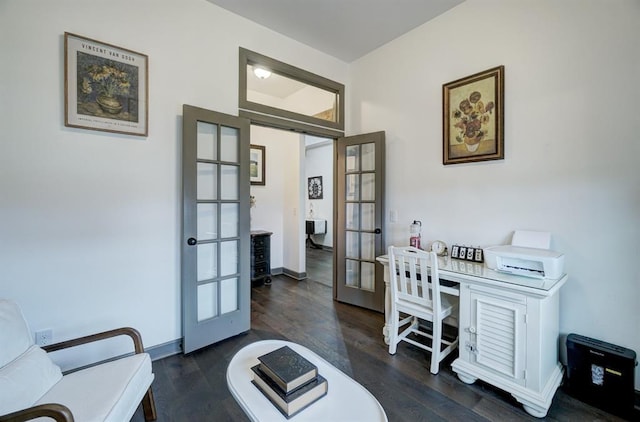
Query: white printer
{"type": "Point", "coordinates": [528, 255]}
{"type": "Point", "coordinates": [529, 262]}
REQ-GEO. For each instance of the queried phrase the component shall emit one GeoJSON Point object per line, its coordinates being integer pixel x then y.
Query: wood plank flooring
{"type": "Point", "coordinates": [193, 387]}
{"type": "Point", "coordinates": [320, 265]}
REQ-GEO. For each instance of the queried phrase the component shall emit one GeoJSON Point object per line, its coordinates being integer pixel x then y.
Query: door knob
{"type": "Point", "coordinates": [377, 231]}
{"type": "Point", "coordinates": [191, 241]}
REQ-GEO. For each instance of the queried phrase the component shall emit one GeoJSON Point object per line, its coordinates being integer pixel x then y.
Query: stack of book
{"type": "Point", "coordinates": [288, 380]}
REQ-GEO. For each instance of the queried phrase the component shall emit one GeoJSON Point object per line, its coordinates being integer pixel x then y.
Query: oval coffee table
{"type": "Point", "coordinates": [346, 400]}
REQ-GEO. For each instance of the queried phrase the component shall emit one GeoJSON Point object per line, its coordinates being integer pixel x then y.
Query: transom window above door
{"type": "Point", "coordinates": [274, 92]}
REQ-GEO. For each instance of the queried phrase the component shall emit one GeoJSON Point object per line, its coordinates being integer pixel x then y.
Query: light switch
{"type": "Point", "coordinates": [393, 216]}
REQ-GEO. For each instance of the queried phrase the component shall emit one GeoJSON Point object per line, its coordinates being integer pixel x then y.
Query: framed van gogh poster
{"type": "Point", "coordinates": [106, 87]}
{"type": "Point", "coordinates": [473, 120]}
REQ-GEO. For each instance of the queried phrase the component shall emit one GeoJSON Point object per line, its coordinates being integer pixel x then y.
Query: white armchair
{"type": "Point", "coordinates": [32, 386]}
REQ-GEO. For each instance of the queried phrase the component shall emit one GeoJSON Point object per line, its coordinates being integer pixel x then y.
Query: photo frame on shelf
{"type": "Point", "coordinates": [473, 118]}
{"type": "Point", "coordinates": [105, 87]}
{"type": "Point", "coordinates": [257, 164]}
{"type": "Point", "coordinates": [314, 187]}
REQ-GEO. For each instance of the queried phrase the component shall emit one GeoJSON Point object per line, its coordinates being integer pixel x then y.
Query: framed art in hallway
{"type": "Point", "coordinates": [473, 118]}
{"type": "Point", "coordinates": [105, 87]}
{"type": "Point", "coordinates": [257, 164]}
{"type": "Point", "coordinates": [314, 187]}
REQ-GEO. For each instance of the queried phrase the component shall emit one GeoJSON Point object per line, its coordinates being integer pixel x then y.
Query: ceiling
{"type": "Point", "coordinates": [345, 29]}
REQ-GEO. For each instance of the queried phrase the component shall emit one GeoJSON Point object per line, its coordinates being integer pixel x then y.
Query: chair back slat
{"type": "Point", "coordinates": [411, 282]}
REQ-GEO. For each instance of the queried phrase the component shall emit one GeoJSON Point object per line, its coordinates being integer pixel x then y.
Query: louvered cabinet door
{"type": "Point", "coordinates": [498, 332]}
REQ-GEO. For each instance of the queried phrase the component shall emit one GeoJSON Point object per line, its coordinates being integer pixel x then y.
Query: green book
{"type": "Point", "coordinates": [287, 368]}
{"type": "Point", "coordinates": [294, 402]}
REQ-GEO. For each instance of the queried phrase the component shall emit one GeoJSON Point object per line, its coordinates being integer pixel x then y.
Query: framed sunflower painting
{"type": "Point", "coordinates": [473, 118]}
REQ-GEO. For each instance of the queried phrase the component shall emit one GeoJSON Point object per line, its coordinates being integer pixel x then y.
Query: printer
{"type": "Point", "coordinates": [525, 261]}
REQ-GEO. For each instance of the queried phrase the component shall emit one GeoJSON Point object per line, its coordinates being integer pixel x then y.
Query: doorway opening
{"type": "Point", "coordinates": [283, 205]}
{"type": "Point", "coordinates": [319, 209]}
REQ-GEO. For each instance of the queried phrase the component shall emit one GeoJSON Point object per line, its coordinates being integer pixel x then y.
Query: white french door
{"type": "Point", "coordinates": [216, 290]}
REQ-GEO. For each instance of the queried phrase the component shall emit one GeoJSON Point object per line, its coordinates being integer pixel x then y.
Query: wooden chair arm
{"type": "Point", "coordinates": [58, 412]}
{"type": "Point", "coordinates": [127, 331]}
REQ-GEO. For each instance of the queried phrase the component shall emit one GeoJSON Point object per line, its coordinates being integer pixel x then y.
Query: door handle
{"type": "Point", "coordinates": [377, 231]}
{"type": "Point", "coordinates": [191, 241]}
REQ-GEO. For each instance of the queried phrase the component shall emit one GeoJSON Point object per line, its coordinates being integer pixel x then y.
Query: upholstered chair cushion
{"type": "Point", "coordinates": [109, 392]}
{"type": "Point", "coordinates": [15, 336]}
{"type": "Point", "coordinates": [26, 372]}
{"type": "Point", "coordinates": [26, 379]}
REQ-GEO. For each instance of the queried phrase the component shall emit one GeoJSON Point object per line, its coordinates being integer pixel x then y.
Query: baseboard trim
{"type": "Point", "coordinates": [293, 274]}
{"type": "Point", "coordinates": [164, 350]}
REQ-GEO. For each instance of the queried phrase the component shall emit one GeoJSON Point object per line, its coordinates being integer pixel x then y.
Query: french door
{"type": "Point", "coordinates": [360, 220]}
{"type": "Point", "coordinates": [215, 236]}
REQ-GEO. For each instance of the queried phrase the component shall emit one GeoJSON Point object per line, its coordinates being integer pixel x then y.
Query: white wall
{"type": "Point", "coordinates": [319, 161]}
{"type": "Point", "coordinates": [293, 215]}
{"type": "Point", "coordinates": [90, 221]}
{"type": "Point", "coordinates": [571, 142]}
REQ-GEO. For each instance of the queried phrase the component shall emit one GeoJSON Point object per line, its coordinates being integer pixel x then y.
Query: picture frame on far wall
{"type": "Point", "coordinates": [314, 187]}
{"type": "Point", "coordinates": [473, 118]}
{"type": "Point", "coordinates": [105, 87]}
{"type": "Point", "coordinates": [257, 164]}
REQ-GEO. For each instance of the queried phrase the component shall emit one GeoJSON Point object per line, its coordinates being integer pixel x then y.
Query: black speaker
{"type": "Point", "coordinates": [601, 374]}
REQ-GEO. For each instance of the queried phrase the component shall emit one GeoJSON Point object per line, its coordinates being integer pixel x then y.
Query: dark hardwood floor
{"type": "Point", "coordinates": [193, 387]}
{"type": "Point", "coordinates": [320, 265]}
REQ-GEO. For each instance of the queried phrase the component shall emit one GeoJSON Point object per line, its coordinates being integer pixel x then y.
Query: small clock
{"type": "Point", "coordinates": [439, 247]}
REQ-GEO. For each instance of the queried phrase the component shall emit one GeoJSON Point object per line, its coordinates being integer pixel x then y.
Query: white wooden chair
{"type": "Point", "coordinates": [418, 297]}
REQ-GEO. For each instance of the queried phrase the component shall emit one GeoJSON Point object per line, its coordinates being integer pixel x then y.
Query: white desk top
{"type": "Point", "coordinates": [462, 271]}
{"type": "Point", "coordinates": [346, 400]}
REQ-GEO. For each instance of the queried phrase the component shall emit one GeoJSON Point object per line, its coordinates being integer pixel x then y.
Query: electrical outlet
{"type": "Point", "coordinates": [44, 337]}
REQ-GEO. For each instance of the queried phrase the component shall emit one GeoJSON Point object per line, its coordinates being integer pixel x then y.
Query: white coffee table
{"type": "Point", "coordinates": [346, 400]}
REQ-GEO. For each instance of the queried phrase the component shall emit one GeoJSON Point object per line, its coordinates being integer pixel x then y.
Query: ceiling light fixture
{"type": "Point", "coordinates": [261, 72]}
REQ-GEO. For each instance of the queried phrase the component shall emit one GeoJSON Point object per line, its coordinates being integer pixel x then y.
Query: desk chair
{"type": "Point", "coordinates": [418, 298]}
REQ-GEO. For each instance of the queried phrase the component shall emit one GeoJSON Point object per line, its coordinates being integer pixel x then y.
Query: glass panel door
{"type": "Point", "coordinates": [360, 191]}
{"type": "Point", "coordinates": [215, 252]}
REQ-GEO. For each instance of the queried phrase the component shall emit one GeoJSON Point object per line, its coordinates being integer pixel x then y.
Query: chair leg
{"type": "Point", "coordinates": [393, 333]}
{"type": "Point", "coordinates": [436, 346]}
{"type": "Point", "coordinates": [149, 406]}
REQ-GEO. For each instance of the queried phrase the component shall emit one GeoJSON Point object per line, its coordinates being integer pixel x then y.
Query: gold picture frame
{"type": "Point", "coordinates": [105, 87]}
{"type": "Point", "coordinates": [473, 118]}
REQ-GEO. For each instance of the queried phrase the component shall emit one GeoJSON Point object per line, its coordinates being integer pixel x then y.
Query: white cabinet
{"type": "Point", "coordinates": [495, 334]}
{"type": "Point", "coordinates": [509, 338]}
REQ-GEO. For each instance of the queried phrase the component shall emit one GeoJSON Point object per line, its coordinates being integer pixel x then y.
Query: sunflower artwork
{"type": "Point", "coordinates": [473, 118]}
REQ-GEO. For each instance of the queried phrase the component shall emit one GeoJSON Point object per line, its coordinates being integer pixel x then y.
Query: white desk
{"type": "Point", "coordinates": [508, 328]}
{"type": "Point", "coordinates": [346, 400]}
